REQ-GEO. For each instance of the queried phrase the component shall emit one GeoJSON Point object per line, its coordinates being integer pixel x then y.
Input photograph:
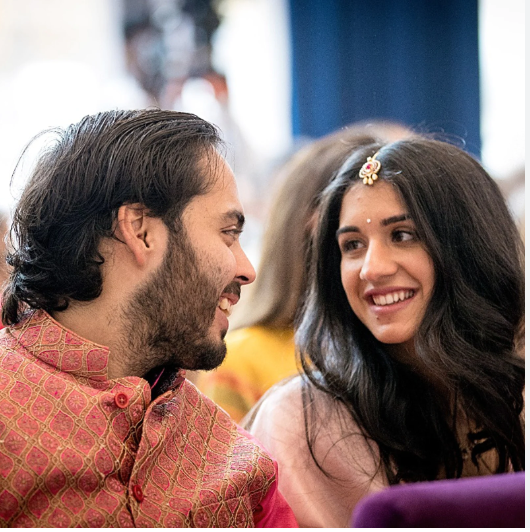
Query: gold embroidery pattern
{"type": "Point", "coordinates": [77, 449]}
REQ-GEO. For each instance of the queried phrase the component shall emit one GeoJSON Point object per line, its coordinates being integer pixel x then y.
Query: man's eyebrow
{"type": "Point", "coordinates": [235, 216]}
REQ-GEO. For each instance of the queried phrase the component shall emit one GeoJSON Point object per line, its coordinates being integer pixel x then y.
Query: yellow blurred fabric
{"type": "Point", "coordinates": [257, 357]}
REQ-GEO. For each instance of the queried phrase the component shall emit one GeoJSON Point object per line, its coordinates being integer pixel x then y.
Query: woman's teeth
{"type": "Point", "coordinates": [392, 298]}
{"type": "Point", "coordinates": [225, 305]}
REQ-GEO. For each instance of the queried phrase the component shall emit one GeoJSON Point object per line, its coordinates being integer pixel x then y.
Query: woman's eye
{"type": "Point", "coordinates": [405, 236]}
{"type": "Point", "coordinates": [350, 245]}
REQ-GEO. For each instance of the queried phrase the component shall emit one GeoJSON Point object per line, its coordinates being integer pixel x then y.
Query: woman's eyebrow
{"type": "Point", "coordinates": [346, 229]}
{"type": "Point", "coordinates": [394, 219]}
{"type": "Point", "coordinates": [384, 223]}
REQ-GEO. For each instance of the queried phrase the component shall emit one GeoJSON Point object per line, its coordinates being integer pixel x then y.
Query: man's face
{"type": "Point", "coordinates": [213, 223]}
{"type": "Point", "coordinates": [179, 317]}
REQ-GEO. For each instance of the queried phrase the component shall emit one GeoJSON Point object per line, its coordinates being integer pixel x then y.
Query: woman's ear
{"type": "Point", "coordinates": [135, 229]}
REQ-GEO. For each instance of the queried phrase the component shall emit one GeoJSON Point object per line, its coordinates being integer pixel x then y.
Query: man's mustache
{"type": "Point", "coordinates": [233, 288]}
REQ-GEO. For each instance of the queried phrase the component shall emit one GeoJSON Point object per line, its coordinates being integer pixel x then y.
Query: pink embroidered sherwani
{"type": "Point", "coordinates": [77, 449]}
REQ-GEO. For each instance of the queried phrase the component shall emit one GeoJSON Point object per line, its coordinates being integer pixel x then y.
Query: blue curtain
{"type": "Point", "coordinates": [414, 61]}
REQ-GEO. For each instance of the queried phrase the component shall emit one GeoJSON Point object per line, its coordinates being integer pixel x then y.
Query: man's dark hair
{"type": "Point", "coordinates": [71, 200]}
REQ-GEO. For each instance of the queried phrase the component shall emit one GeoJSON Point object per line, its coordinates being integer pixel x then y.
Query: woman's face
{"type": "Point", "coordinates": [386, 272]}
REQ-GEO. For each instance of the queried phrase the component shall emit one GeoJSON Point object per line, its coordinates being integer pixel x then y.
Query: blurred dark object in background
{"type": "Point", "coordinates": [169, 41]}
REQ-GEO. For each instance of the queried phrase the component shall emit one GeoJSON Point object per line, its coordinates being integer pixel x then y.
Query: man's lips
{"type": "Point", "coordinates": [229, 297]}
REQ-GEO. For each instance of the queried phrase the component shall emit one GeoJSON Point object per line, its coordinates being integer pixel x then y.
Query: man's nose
{"type": "Point", "coordinates": [245, 271]}
{"type": "Point", "coordinates": [379, 261]}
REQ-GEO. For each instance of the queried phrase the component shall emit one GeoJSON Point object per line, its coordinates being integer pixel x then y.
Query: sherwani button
{"type": "Point", "coordinates": [138, 493]}
{"type": "Point", "coordinates": [121, 399]}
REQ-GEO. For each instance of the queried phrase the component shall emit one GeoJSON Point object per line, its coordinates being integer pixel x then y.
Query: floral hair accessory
{"type": "Point", "coordinates": [368, 172]}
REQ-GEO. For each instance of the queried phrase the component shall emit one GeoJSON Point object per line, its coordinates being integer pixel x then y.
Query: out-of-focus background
{"type": "Point", "coordinates": [271, 74]}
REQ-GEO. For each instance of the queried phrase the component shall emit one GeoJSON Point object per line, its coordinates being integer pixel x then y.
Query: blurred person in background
{"type": "Point", "coordinates": [408, 337]}
{"type": "Point", "coordinates": [260, 347]}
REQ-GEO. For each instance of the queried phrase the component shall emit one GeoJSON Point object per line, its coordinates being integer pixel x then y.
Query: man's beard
{"type": "Point", "coordinates": [169, 318]}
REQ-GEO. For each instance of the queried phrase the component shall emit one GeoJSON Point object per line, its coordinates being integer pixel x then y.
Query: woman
{"type": "Point", "coordinates": [408, 338]}
{"type": "Point", "coordinates": [260, 344]}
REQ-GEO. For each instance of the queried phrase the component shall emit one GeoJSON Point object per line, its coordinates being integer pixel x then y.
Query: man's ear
{"type": "Point", "coordinates": [136, 230]}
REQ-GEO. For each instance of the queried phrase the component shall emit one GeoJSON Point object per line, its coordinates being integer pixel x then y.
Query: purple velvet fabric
{"type": "Point", "coordinates": [491, 501]}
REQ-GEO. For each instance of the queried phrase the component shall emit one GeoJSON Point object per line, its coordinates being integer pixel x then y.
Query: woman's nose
{"type": "Point", "coordinates": [379, 261]}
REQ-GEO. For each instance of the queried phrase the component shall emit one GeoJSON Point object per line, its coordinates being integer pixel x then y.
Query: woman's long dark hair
{"type": "Point", "coordinates": [467, 339]}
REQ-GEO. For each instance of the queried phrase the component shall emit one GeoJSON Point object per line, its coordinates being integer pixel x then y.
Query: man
{"type": "Point", "coordinates": [126, 263]}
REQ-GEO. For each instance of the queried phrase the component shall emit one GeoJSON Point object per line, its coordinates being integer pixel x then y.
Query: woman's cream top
{"type": "Point", "coordinates": [352, 463]}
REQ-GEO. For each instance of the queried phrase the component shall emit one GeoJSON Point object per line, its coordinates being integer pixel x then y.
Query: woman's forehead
{"type": "Point", "coordinates": [379, 197]}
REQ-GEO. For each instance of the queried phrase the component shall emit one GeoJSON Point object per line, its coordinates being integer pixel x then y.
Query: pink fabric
{"type": "Point", "coordinates": [273, 511]}
{"type": "Point", "coordinates": [77, 449]}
